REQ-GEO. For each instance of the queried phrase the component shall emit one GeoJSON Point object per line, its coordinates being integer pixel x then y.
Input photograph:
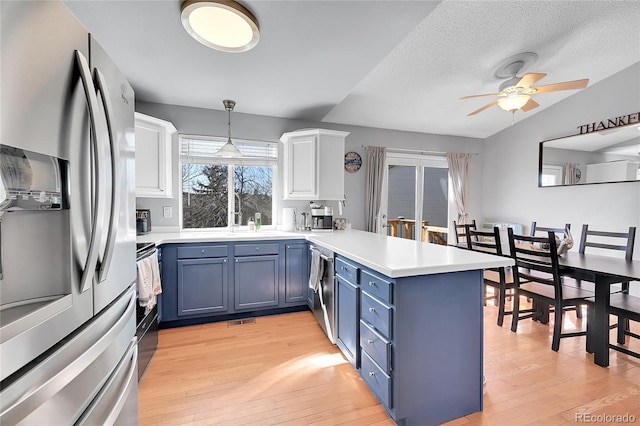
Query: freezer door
{"type": "Point", "coordinates": [116, 262]}
{"type": "Point", "coordinates": [92, 369]}
{"type": "Point", "coordinates": [43, 109]}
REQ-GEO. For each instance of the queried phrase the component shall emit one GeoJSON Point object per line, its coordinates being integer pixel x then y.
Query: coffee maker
{"type": "Point", "coordinates": [322, 218]}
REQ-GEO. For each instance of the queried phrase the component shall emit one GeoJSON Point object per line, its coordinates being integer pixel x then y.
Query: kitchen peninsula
{"type": "Point", "coordinates": [412, 317]}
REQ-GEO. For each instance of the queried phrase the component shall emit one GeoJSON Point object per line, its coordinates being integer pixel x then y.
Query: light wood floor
{"type": "Point", "coordinates": [281, 370]}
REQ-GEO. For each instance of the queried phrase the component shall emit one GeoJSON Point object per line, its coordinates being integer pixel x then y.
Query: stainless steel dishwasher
{"type": "Point", "coordinates": [324, 295]}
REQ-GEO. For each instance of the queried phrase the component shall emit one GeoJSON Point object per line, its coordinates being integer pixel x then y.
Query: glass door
{"type": "Point", "coordinates": [415, 198]}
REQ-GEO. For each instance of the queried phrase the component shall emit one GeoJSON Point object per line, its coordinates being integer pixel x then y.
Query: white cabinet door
{"type": "Point", "coordinates": [301, 158]}
{"type": "Point", "coordinates": [153, 157]}
{"type": "Point", "coordinates": [314, 165]}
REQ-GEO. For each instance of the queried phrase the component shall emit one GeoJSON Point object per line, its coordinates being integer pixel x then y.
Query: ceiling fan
{"type": "Point", "coordinates": [515, 93]}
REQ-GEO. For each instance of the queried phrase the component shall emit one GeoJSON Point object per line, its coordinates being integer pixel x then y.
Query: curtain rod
{"type": "Point", "coordinates": [419, 151]}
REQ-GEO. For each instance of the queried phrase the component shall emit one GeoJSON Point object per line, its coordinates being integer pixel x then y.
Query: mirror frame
{"type": "Point", "coordinates": [577, 137]}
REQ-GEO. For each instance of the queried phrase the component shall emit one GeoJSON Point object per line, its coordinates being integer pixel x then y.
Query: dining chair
{"type": "Point", "coordinates": [537, 275]}
{"type": "Point", "coordinates": [625, 306]}
{"type": "Point", "coordinates": [544, 229]}
{"type": "Point", "coordinates": [500, 279]}
{"type": "Point", "coordinates": [461, 233]}
{"type": "Point", "coordinates": [616, 241]}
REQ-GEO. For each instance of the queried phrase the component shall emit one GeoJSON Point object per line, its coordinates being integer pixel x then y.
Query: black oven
{"type": "Point", "coordinates": [147, 323]}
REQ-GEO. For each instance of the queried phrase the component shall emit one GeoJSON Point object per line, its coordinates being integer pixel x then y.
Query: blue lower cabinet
{"type": "Point", "coordinates": [256, 282]}
{"type": "Point", "coordinates": [202, 286]}
{"type": "Point", "coordinates": [347, 327]}
{"type": "Point", "coordinates": [296, 283]}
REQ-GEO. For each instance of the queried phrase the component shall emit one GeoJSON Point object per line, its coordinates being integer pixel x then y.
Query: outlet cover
{"type": "Point", "coordinates": [167, 211]}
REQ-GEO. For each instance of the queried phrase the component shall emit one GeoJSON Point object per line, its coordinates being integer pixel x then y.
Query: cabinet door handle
{"type": "Point", "coordinates": [369, 341]}
{"type": "Point", "coordinates": [202, 251]}
{"type": "Point", "coordinates": [257, 248]}
{"type": "Point", "coordinates": [372, 374]}
{"type": "Point", "coordinates": [372, 309]}
{"type": "Point", "coordinates": [224, 261]}
{"type": "Point", "coordinates": [372, 283]}
{"type": "Point", "coordinates": [344, 268]}
{"type": "Point", "coordinates": [237, 261]}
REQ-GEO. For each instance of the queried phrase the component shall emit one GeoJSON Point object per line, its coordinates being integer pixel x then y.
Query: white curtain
{"type": "Point", "coordinates": [570, 177]}
{"type": "Point", "coordinates": [376, 160]}
{"type": "Point", "coordinates": [459, 176]}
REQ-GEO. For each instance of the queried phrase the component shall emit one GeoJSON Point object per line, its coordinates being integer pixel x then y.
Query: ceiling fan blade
{"type": "Point", "coordinates": [531, 104]}
{"type": "Point", "coordinates": [489, 105]}
{"type": "Point", "coordinates": [528, 79]}
{"type": "Point", "coordinates": [480, 96]}
{"type": "Point", "coordinates": [567, 85]}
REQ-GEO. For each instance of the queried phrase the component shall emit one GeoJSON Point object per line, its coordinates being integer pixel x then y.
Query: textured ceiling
{"type": "Point", "coordinates": [389, 64]}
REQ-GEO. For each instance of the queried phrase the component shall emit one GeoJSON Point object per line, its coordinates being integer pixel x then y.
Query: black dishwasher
{"type": "Point", "coordinates": [147, 324]}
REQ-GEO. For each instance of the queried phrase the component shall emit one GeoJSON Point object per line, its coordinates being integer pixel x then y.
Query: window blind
{"type": "Point", "coordinates": [202, 149]}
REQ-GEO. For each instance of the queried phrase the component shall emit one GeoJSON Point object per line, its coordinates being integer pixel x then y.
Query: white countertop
{"type": "Point", "coordinates": [217, 236]}
{"type": "Point", "coordinates": [391, 256]}
{"type": "Point", "coordinates": [399, 257]}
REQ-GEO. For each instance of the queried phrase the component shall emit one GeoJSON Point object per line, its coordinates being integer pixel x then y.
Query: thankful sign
{"type": "Point", "coordinates": [623, 120]}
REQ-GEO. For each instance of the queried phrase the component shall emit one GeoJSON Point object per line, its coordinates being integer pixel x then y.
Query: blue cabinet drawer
{"type": "Point", "coordinates": [196, 252]}
{"type": "Point", "coordinates": [256, 249]}
{"type": "Point", "coordinates": [376, 346]}
{"type": "Point", "coordinates": [347, 270]}
{"type": "Point", "coordinates": [377, 380]}
{"type": "Point", "coordinates": [382, 288]}
{"type": "Point", "coordinates": [377, 314]}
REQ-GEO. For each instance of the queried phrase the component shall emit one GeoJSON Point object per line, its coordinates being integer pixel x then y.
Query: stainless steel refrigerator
{"type": "Point", "coordinates": [67, 224]}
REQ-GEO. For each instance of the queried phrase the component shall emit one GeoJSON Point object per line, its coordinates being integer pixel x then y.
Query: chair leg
{"type": "Point", "coordinates": [501, 301]}
{"type": "Point", "coordinates": [590, 316]}
{"type": "Point", "coordinates": [579, 311]}
{"type": "Point", "coordinates": [516, 311]}
{"type": "Point", "coordinates": [557, 327]}
{"type": "Point", "coordinates": [623, 326]}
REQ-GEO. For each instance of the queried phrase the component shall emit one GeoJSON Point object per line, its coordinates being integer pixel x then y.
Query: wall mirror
{"type": "Point", "coordinates": [606, 156]}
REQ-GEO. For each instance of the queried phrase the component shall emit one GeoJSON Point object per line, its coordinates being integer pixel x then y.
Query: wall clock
{"type": "Point", "coordinates": [352, 161]}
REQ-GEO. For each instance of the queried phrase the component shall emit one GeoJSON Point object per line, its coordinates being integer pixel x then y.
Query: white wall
{"type": "Point", "coordinates": [510, 185]}
{"type": "Point", "coordinates": [246, 126]}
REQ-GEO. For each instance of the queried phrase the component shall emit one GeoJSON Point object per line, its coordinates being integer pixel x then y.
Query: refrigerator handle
{"type": "Point", "coordinates": [106, 254]}
{"type": "Point", "coordinates": [98, 213]}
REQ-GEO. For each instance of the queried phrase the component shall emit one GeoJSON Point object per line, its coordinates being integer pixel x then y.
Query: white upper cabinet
{"type": "Point", "coordinates": [153, 156]}
{"type": "Point", "coordinates": [314, 164]}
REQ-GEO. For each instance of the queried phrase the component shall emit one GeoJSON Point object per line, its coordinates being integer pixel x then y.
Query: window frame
{"type": "Point", "coordinates": [231, 162]}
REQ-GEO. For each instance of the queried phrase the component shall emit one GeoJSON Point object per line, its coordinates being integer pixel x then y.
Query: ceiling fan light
{"type": "Point", "coordinates": [223, 25]}
{"type": "Point", "coordinates": [513, 102]}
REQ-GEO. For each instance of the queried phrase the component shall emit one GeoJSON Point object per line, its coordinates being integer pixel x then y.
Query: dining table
{"type": "Point", "coordinates": [603, 271]}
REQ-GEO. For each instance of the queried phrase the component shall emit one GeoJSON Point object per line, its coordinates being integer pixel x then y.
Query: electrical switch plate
{"type": "Point", "coordinates": [167, 211]}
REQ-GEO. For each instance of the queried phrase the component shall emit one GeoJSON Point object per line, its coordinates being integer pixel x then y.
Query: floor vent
{"type": "Point", "coordinates": [244, 321]}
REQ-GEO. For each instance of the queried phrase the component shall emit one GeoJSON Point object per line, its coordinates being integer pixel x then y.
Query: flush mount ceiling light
{"type": "Point", "coordinates": [228, 149]}
{"type": "Point", "coordinates": [220, 24]}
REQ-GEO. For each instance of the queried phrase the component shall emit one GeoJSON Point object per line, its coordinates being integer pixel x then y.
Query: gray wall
{"type": "Point", "coordinates": [214, 123]}
{"type": "Point", "coordinates": [510, 185]}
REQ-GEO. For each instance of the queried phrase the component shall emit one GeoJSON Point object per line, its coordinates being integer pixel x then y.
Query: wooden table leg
{"type": "Point", "coordinates": [600, 323]}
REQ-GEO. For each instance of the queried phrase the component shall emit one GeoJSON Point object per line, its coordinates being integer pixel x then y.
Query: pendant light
{"type": "Point", "coordinates": [223, 25]}
{"type": "Point", "coordinates": [228, 149]}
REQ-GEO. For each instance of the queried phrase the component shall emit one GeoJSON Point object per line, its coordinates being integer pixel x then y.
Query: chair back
{"type": "Point", "coordinates": [544, 229]}
{"type": "Point", "coordinates": [534, 264]}
{"type": "Point", "coordinates": [460, 230]}
{"type": "Point", "coordinates": [622, 241]}
{"type": "Point", "coordinates": [484, 241]}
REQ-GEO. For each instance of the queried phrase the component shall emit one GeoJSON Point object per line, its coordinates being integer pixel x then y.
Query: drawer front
{"type": "Point", "coordinates": [347, 270]}
{"type": "Point", "coordinates": [377, 380]}
{"type": "Point", "coordinates": [377, 314]}
{"type": "Point", "coordinates": [196, 252]}
{"type": "Point", "coordinates": [376, 346]}
{"type": "Point", "coordinates": [256, 249]}
{"type": "Point", "coordinates": [376, 286]}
